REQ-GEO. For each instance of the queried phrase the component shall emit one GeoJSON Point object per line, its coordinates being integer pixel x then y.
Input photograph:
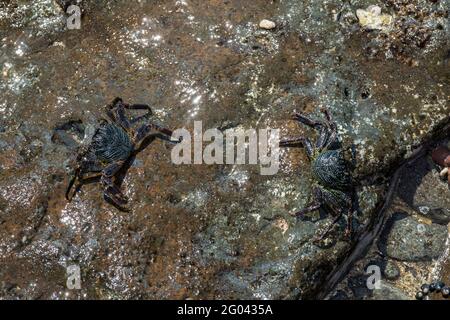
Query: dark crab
{"type": "Point", "coordinates": [332, 188]}
{"type": "Point", "coordinates": [113, 144]}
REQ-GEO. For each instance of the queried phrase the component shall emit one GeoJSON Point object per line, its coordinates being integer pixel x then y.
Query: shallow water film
{"type": "Point", "coordinates": [224, 230]}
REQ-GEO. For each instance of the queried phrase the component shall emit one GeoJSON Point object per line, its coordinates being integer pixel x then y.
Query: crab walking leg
{"type": "Point", "coordinates": [327, 129]}
{"type": "Point", "coordinates": [111, 190]}
{"type": "Point", "coordinates": [315, 205]}
{"type": "Point", "coordinates": [349, 228]}
{"type": "Point", "coordinates": [307, 121]}
{"type": "Point", "coordinates": [118, 102]}
{"type": "Point", "coordinates": [77, 172]}
{"type": "Point", "coordinates": [298, 142]}
{"type": "Point", "coordinates": [332, 129]}
{"type": "Point", "coordinates": [121, 118]}
{"type": "Point", "coordinates": [116, 112]}
{"type": "Point", "coordinates": [292, 142]}
{"type": "Point", "coordinates": [85, 171]}
{"type": "Point", "coordinates": [138, 106]}
{"type": "Point", "coordinates": [327, 116]}
{"type": "Point", "coordinates": [324, 137]}
{"type": "Point", "coordinates": [150, 130]}
{"type": "Point", "coordinates": [328, 229]}
{"type": "Point", "coordinates": [72, 180]}
{"type": "Point", "coordinates": [85, 178]}
{"type": "Point", "coordinates": [82, 179]}
{"type": "Point", "coordinates": [139, 118]}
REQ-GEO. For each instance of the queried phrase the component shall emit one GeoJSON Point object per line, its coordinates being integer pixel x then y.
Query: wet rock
{"type": "Point", "coordinates": [391, 271]}
{"type": "Point", "coordinates": [407, 239]}
{"type": "Point", "coordinates": [339, 295]}
{"type": "Point", "coordinates": [422, 189]}
{"type": "Point", "coordinates": [196, 230]}
{"type": "Point", "coordinates": [388, 292]}
{"type": "Point", "coordinates": [358, 286]}
{"type": "Point", "coordinates": [69, 134]}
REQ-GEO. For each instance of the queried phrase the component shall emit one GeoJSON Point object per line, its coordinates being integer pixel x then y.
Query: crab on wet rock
{"type": "Point", "coordinates": [332, 187]}
{"type": "Point", "coordinates": [113, 144]}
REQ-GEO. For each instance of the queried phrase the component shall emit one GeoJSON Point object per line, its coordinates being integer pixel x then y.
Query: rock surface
{"type": "Point", "coordinates": [407, 239]}
{"type": "Point", "coordinates": [198, 231]}
{"type": "Point", "coordinates": [372, 19]}
{"type": "Point", "coordinates": [391, 271]}
{"type": "Point", "coordinates": [422, 189]}
{"type": "Point", "coordinates": [413, 247]}
{"type": "Point", "coordinates": [388, 292]}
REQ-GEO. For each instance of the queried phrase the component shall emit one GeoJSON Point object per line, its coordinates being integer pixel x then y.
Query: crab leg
{"type": "Point", "coordinates": [324, 137]}
{"type": "Point", "coordinates": [316, 204]}
{"type": "Point", "coordinates": [111, 190]}
{"type": "Point", "coordinates": [73, 178]}
{"type": "Point", "coordinates": [307, 121]}
{"type": "Point", "coordinates": [77, 171]}
{"type": "Point", "coordinates": [332, 129]}
{"type": "Point", "coordinates": [327, 130]}
{"type": "Point", "coordinates": [152, 130]}
{"type": "Point", "coordinates": [328, 229]}
{"type": "Point", "coordinates": [138, 106]}
{"type": "Point", "coordinates": [83, 180]}
{"type": "Point", "coordinates": [116, 112]}
{"type": "Point", "coordinates": [298, 142]}
{"type": "Point", "coordinates": [349, 229]}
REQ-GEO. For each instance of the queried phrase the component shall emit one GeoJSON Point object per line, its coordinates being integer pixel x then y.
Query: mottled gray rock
{"type": "Point", "coordinates": [421, 188]}
{"type": "Point", "coordinates": [391, 271]}
{"type": "Point", "coordinates": [407, 239]}
{"type": "Point", "coordinates": [388, 292]}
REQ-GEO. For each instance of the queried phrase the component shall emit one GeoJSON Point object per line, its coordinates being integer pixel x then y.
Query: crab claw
{"type": "Point", "coordinates": [444, 172]}
{"type": "Point", "coordinates": [441, 156]}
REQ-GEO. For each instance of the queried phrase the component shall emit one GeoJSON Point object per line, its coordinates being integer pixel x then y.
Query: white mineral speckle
{"type": "Point", "coordinates": [267, 24]}
{"type": "Point", "coordinates": [372, 19]}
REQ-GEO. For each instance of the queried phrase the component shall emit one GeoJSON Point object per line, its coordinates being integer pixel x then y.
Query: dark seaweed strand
{"type": "Point", "coordinates": [111, 143]}
{"type": "Point", "coordinates": [331, 170]}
